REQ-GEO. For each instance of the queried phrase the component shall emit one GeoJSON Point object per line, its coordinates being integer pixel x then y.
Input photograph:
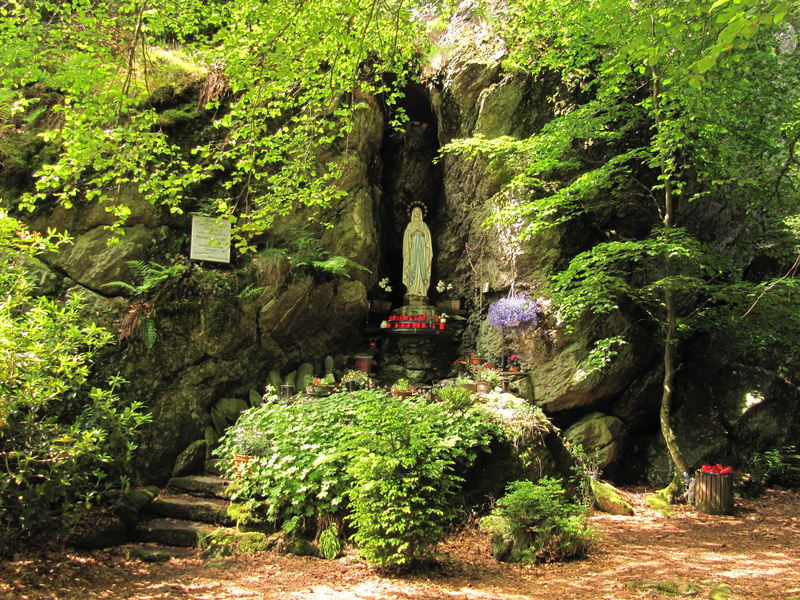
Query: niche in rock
{"type": "Point", "coordinates": [409, 178]}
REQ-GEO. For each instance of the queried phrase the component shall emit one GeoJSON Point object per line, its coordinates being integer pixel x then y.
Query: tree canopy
{"type": "Point", "coordinates": [670, 109]}
{"type": "Point", "coordinates": [280, 81]}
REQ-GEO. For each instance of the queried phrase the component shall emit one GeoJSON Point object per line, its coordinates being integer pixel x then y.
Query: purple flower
{"type": "Point", "coordinates": [519, 311]}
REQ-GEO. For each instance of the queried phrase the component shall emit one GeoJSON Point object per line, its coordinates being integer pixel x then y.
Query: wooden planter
{"type": "Point", "coordinates": [713, 493]}
{"type": "Point", "coordinates": [402, 393]}
{"type": "Point", "coordinates": [448, 305]}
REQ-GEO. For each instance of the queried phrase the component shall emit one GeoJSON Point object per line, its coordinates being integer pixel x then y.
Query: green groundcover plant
{"type": "Point", "coordinates": [386, 466]}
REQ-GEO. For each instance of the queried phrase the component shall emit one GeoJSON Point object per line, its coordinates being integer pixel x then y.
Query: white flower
{"type": "Point", "coordinates": [384, 285]}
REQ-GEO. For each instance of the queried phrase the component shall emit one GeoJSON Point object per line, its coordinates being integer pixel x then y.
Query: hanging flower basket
{"type": "Point", "coordinates": [517, 311]}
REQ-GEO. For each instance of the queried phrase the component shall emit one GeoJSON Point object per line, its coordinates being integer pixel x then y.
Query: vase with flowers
{"type": "Point", "coordinates": [448, 301]}
{"type": "Point", "coordinates": [474, 359]}
{"type": "Point", "coordinates": [512, 363]}
{"type": "Point", "coordinates": [382, 302]}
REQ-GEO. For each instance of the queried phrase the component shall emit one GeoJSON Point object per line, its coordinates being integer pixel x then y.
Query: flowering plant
{"type": "Point", "coordinates": [402, 385]}
{"type": "Point", "coordinates": [518, 311]}
{"type": "Point", "coordinates": [357, 379]}
{"type": "Point", "coordinates": [386, 287]}
{"type": "Point", "coordinates": [718, 468]}
{"type": "Point", "coordinates": [513, 361]}
{"type": "Point", "coordinates": [444, 288]}
{"type": "Point", "coordinates": [490, 375]}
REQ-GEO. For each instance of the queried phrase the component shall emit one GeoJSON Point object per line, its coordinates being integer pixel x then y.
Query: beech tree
{"type": "Point", "coordinates": [668, 104]}
{"type": "Point", "coordinates": [280, 81]}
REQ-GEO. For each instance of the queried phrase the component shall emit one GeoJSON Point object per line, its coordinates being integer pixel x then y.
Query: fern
{"type": "Point", "coordinates": [338, 265]}
{"type": "Point", "coordinates": [149, 332]}
{"type": "Point", "coordinates": [146, 275]}
{"type": "Point", "coordinates": [330, 545]}
{"type": "Point", "coordinates": [249, 292]}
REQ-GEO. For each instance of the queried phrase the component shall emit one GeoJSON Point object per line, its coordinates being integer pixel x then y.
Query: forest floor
{"type": "Point", "coordinates": [753, 554]}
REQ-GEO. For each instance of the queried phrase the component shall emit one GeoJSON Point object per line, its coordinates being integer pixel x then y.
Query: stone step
{"type": "Point", "coordinates": [190, 508]}
{"type": "Point", "coordinates": [200, 485]}
{"type": "Point", "coordinates": [174, 532]}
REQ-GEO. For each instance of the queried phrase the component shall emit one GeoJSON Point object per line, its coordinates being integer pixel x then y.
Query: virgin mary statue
{"type": "Point", "coordinates": [417, 255]}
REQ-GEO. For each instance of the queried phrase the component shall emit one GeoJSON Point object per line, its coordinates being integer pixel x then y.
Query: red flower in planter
{"type": "Point", "coordinates": [718, 468]}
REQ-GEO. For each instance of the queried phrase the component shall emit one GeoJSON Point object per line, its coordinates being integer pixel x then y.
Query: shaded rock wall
{"type": "Point", "coordinates": [214, 341]}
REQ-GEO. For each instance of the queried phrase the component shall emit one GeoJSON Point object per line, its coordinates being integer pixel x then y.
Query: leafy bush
{"type": "Point", "coordinates": [299, 469]}
{"type": "Point", "coordinates": [534, 523]}
{"type": "Point", "coordinates": [388, 466]}
{"type": "Point", "coordinates": [778, 466]}
{"type": "Point", "coordinates": [403, 465]}
{"type": "Point", "coordinates": [458, 396]}
{"type": "Point", "coordinates": [63, 443]}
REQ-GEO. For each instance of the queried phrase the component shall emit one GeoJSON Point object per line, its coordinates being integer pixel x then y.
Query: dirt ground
{"type": "Point", "coordinates": [754, 554]}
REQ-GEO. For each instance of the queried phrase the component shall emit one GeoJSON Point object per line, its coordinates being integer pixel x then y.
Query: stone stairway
{"type": "Point", "coordinates": [179, 518]}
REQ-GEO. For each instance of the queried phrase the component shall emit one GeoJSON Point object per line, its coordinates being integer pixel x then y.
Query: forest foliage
{"type": "Point", "coordinates": [669, 112]}
{"type": "Point", "coordinates": [65, 443]}
{"type": "Point", "coordinates": [668, 107]}
{"type": "Point", "coordinates": [280, 82]}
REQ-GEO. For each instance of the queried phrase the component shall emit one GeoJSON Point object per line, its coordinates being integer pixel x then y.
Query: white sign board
{"type": "Point", "coordinates": [211, 239]}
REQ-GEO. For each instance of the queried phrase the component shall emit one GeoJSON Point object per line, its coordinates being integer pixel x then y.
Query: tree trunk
{"type": "Point", "coordinates": [673, 490]}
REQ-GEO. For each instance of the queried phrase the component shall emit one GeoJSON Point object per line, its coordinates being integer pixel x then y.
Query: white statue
{"type": "Point", "coordinates": [417, 255]}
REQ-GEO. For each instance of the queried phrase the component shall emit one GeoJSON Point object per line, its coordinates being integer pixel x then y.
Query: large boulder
{"type": "Point", "coordinates": [599, 435]}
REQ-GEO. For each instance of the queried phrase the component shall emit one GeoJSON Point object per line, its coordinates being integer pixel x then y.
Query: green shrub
{"type": "Point", "coordinates": [64, 444]}
{"type": "Point", "coordinates": [300, 469]}
{"type": "Point", "coordinates": [534, 523]}
{"type": "Point", "coordinates": [404, 461]}
{"type": "Point", "coordinates": [456, 395]}
{"type": "Point", "coordinates": [778, 466]}
{"type": "Point", "coordinates": [388, 466]}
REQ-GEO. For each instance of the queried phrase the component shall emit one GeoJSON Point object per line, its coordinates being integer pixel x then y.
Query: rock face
{"type": "Point", "coordinates": [216, 340]}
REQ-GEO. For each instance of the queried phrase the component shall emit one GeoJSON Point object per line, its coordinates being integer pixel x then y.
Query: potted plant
{"type": "Point", "coordinates": [487, 378]}
{"type": "Point", "coordinates": [474, 359]}
{"type": "Point", "coordinates": [382, 303]}
{"type": "Point", "coordinates": [402, 388]}
{"type": "Point", "coordinates": [356, 380]}
{"type": "Point", "coordinates": [248, 443]}
{"type": "Point", "coordinates": [512, 362]}
{"type": "Point", "coordinates": [316, 386]}
{"type": "Point", "coordinates": [448, 301]}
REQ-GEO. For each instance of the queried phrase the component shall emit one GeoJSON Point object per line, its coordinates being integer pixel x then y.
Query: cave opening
{"type": "Point", "coordinates": [409, 176]}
